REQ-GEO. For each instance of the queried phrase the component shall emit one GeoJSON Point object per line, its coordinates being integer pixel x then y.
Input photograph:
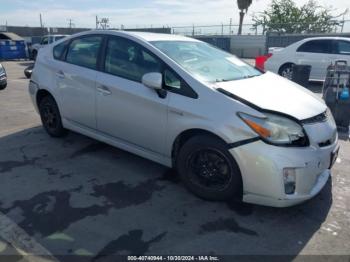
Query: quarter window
{"type": "Point", "coordinates": [84, 51]}
{"type": "Point", "coordinates": [59, 49]}
{"type": "Point", "coordinates": [127, 59]}
{"type": "Point", "coordinates": [171, 80]}
{"type": "Point", "coordinates": [344, 47]}
{"type": "Point", "coordinates": [316, 46]}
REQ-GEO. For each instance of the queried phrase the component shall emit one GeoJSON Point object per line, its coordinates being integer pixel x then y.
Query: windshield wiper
{"type": "Point", "coordinates": [232, 79]}
{"type": "Point", "coordinates": [251, 76]}
{"type": "Point", "coordinates": [224, 80]}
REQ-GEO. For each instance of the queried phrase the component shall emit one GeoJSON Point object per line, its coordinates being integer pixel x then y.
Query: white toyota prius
{"type": "Point", "coordinates": [230, 130]}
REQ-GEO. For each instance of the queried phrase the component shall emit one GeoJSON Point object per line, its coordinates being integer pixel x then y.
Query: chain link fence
{"type": "Point", "coordinates": [341, 26]}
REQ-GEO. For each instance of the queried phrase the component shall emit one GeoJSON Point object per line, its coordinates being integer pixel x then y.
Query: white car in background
{"type": "Point", "coordinates": [319, 52]}
{"type": "Point", "coordinates": [45, 40]}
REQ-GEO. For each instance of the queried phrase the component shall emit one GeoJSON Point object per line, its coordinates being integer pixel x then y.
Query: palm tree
{"type": "Point", "coordinates": [243, 5]}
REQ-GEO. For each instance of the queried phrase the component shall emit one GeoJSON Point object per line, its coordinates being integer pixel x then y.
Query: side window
{"type": "Point", "coordinates": [127, 59]}
{"type": "Point", "coordinates": [343, 47]}
{"type": "Point", "coordinates": [45, 40]}
{"type": "Point", "coordinates": [59, 49]}
{"type": "Point", "coordinates": [84, 51]}
{"type": "Point", "coordinates": [316, 46]}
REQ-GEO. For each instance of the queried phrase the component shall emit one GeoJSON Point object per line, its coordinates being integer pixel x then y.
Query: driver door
{"type": "Point", "coordinates": [126, 109]}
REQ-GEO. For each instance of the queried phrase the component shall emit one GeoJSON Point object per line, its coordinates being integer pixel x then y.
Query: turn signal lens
{"type": "Point", "coordinates": [276, 129]}
{"type": "Point", "coordinates": [265, 133]}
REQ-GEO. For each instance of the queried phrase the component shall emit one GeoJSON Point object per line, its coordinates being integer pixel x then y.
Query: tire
{"type": "Point", "coordinates": [51, 117]}
{"type": "Point", "coordinates": [197, 172]}
{"type": "Point", "coordinates": [286, 71]}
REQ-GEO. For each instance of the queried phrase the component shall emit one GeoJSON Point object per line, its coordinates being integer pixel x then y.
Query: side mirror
{"type": "Point", "coordinates": [153, 80]}
{"type": "Point", "coordinates": [28, 71]}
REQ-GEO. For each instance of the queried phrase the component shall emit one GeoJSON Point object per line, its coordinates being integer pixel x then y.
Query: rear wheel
{"type": "Point", "coordinates": [51, 118]}
{"type": "Point", "coordinates": [287, 71]}
{"type": "Point", "coordinates": [208, 169]}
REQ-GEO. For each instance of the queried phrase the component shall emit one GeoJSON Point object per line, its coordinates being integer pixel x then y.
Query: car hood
{"type": "Point", "coordinates": [272, 92]}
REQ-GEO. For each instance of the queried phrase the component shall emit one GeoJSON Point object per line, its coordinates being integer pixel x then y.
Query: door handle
{"type": "Point", "coordinates": [60, 74]}
{"type": "Point", "coordinates": [176, 112]}
{"type": "Point", "coordinates": [104, 90]}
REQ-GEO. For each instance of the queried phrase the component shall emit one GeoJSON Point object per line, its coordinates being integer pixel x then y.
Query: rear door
{"type": "Point", "coordinates": [76, 79]}
{"type": "Point", "coordinates": [317, 53]}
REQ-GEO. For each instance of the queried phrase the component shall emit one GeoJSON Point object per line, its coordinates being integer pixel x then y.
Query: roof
{"type": "Point", "coordinates": [145, 36]}
{"type": "Point", "coordinates": [327, 38]}
{"type": "Point", "coordinates": [159, 37]}
{"type": "Point", "coordinates": [10, 36]}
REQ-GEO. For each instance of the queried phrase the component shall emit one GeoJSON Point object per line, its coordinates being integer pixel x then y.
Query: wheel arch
{"type": "Point", "coordinates": [41, 94]}
{"type": "Point", "coordinates": [185, 135]}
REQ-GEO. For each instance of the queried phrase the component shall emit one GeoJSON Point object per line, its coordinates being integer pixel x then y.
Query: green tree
{"type": "Point", "coordinates": [284, 16]}
{"type": "Point", "coordinates": [243, 6]}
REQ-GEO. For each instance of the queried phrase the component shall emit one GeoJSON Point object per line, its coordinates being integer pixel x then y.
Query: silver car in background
{"type": "Point", "coordinates": [230, 130]}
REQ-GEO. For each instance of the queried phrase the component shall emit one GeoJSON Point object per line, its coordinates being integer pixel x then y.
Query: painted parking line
{"type": "Point", "coordinates": [16, 129]}
{"type": "Point", "coordinates": [25, 245]}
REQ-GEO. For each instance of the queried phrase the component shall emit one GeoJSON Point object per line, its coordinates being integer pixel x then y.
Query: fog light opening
{"type": "Point", "coordinates": [289, 180]}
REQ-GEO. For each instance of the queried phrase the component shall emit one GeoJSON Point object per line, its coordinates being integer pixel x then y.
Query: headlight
{"type": "Point", "coordinates": [276, 130]}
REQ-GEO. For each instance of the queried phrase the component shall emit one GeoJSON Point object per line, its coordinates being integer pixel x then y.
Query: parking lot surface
{"type": "Point", "coordinates": [77, 196]}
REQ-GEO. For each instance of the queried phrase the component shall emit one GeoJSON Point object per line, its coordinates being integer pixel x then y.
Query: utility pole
{"type": "Point", "coordinates": [41, 21]}
{"type": "Point", "coordinates": [70, 23]}
{"type": "Point", "coordinates": [42, 25]}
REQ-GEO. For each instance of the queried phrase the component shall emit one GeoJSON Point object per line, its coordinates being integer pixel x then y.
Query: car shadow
{"type": "Point", "coordinates": [78, 196]}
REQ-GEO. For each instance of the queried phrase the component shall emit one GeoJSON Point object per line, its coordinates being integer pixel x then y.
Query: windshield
{"type": "Point", "coordinates": [59, 37]}
{"type": "Point", "coordinates": [206, 62]}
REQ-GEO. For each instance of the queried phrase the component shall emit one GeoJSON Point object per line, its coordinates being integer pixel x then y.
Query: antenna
{"type": "Point", "coordinates": [103, 23]}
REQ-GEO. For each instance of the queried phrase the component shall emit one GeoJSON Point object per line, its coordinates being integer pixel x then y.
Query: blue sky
{"type": "Point", "coordinates": [131, 13]}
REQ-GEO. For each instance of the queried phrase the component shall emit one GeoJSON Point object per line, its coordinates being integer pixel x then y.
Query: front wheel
{"type": "Point", "coordinates": [51, 118]}
{"type": "Point", "coordinates": [207, 169]}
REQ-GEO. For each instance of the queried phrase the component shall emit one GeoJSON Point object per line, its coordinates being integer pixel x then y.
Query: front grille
{"type": "Point", "coordinates": [316, 119]}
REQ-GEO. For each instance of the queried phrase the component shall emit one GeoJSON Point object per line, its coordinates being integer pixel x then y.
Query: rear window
{"type": "Point", "coordinates": [84, 51]}
{"type": "Point", "coordinates": [59, 49]}
{"type": "Point", "coordinates": [344, 47]}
